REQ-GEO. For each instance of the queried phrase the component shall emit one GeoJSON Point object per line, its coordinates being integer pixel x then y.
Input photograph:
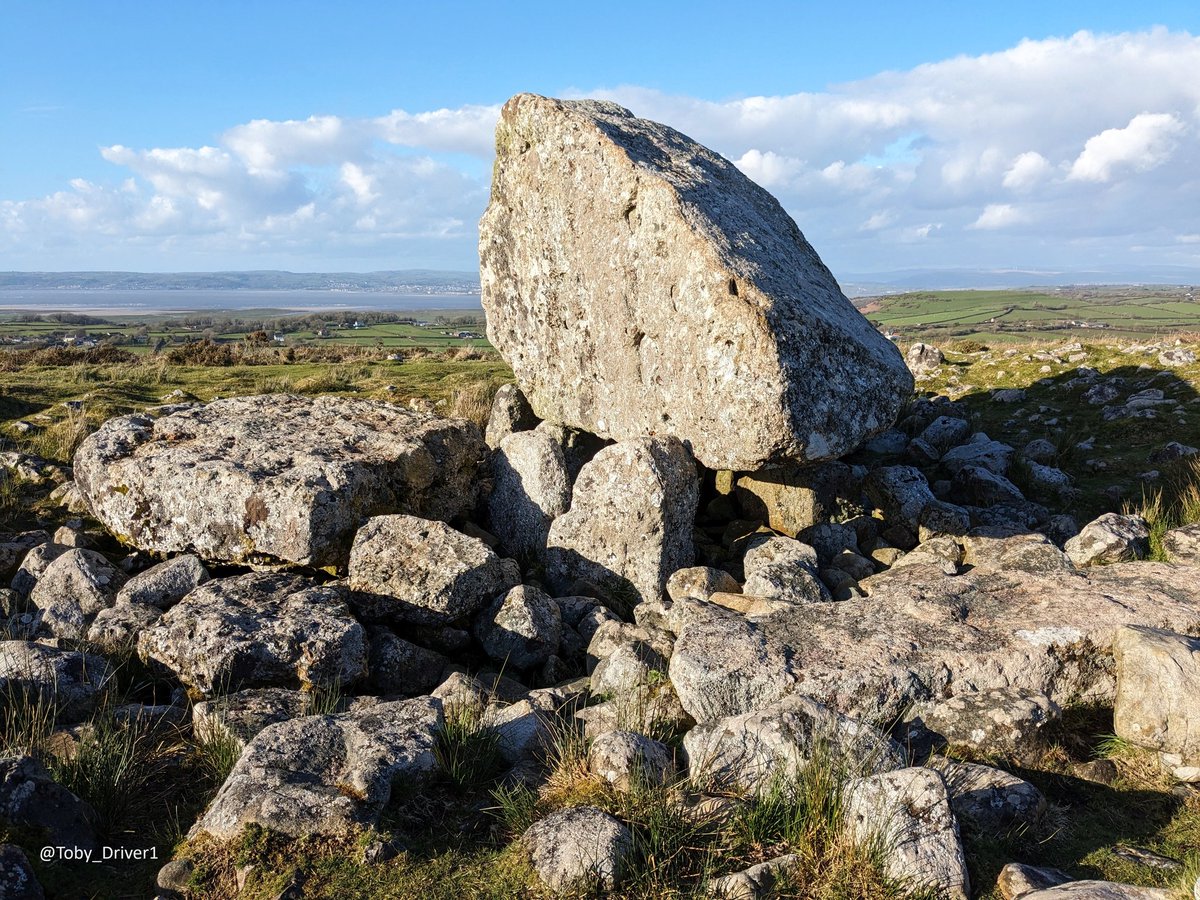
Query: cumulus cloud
{"type": "Point", "coordinates": [961, 150]}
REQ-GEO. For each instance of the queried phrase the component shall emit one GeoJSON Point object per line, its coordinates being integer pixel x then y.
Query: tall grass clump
{"type": "Point", "coordinates": [468, 748]}
{"type": "Point", "coordinates": [1175, 504]}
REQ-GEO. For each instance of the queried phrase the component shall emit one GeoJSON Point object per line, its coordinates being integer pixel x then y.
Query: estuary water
{"type": "Point", "coordinates": [151, 302]}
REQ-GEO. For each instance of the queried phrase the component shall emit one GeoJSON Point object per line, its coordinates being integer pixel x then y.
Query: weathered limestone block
{"type": "Point", "coordinates": [639, 284]}
{"type": "Point", "coordinates": [629, 527]}
{"type": "Point", "coordinates": [531, 488]}
{"type": "Point", "coordinates": [280, 476]}
{"type": "Point", "coordinates": [580, 847]}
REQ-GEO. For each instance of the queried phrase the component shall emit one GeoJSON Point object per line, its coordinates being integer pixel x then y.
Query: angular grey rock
{"type": "Point", "coordinates": [32, 801]}
{"type": "Point", "coordinates": [1013, 550]}
{"type": "Point", "coordinates": [785, 570]}
{"type": "Point", "coordinates": [579, 848]}
{"type": "Point", "coordinates": [1008, 395]}
{"type": "Point", "coordinates": [33, 565]}
{"type": "Point", "coordinates": [700, 583]}
{"type": "Point", "coordinates": [324, 774]}
{"type": "Point", "coordinates": [753, 883]}
{"type": "Point", "coordinates": [945, 432]}
{"type": "Point", "coordinates": [982, 452]}
{"type": "Point", "coordinates": [992, 800]}
{"type": "Point", "coordinates": [1158, 691]}
{"type": "Point", "coordinates": [278, 476]}
{"type": "Point", "coordinates": [14, 547]}
{"type": "Point", "coordinates": [1017, 880]}
{"type": "Point", "coordinates": [258, 630]}
{"type": "Point", "coordinates": [165, 584]}
{"type": "Point", "coordinates": [511, 413]}
{"type": "Point", "coordinates": [1176, 357]}
{"type": "Point", "coordinates": [1172, 451]}
{"type": "Point", "coordinates": [630, 522]}
{"type": "Point", "coordinates": [406, 569]}
{"type": "Point", "coordinates": [1000, 721]}
{"type": "Point", "coordinates": [1100, 890]}
{"type": "Point", "coordinates": [531, 488]}
{"type": "Point", "coordinates": [627, 671]}
{"type": "Point", "coordinates": [521, 628]}
{"type": "Point", "coordinates": [1040, 451]}
{"type": "Point", "coordinates": [17, 880]}
{"type": "Point", "coordinates": [694, 307]}
{"type": "Point", "coordinates": [118, 626]}
{"type": "Point", "coordinates": [401, 668]}
{"type": "Point", "coordinates": [977, 486]}
{"type": "Point", "coordinates": [1047, 480]}
{"type": "Point", "coordinates": [793, 498]}
{"type": "Point", "coordinates": [623, 757]}
{"type": "Point", "coordinates": [1183, 544]}
{"type": "Point", "coordinates": [923, 358]}
{"type": "Point", "coordinates": [240, 716]}
{"type": "Point", "coordinates": [922, 636]}
{"type": "Point", "coordinates": [1109, 539]}
{"type": "Point", "coordinates": [723, 665]}
{"type": "Point", "coordinates": [901, 493]}
{"type": "Point", "coordinates": [940, 518]}
{"type": "Point", "coordinates": [908, 812]}
{"type": "Point", "coordinates": [72, 589]}
{"type": "Point", "coordinates": [66, 680]}
{"type": "Point", "coordinates": [747, 752]}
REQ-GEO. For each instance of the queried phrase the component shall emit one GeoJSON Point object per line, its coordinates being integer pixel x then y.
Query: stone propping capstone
{"type": "Point", "coordinates": [639, 284]}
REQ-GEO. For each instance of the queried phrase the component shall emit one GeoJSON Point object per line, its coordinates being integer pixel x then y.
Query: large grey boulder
{"type": "Point", "coordinates": [32, 802]}
{"type": "Point", "coordinates": [999, 721]}
{"type": "Point", "coordinates": [117, 627]}
{"type": "Point", "coordinates": [165, 584]}
{"type": "Point", "coordinates": [749, 751]}
{"type": "Point", "coordinates": [521, 628]}
{"type": "Point", "coordinates": [1111, 538]}
{"type": "Point", "coordinates": [623, 758]}
{"type": "Point", "coordinates": [239, 716]}
{"type": "Point", "coordinates": [67, 681]}
{"type": "Point", "coordinates": [579, 848]}
{"type": "Point", "coordinates": [793, 498]}
{"type": "Point", "coordinates": [923, 358]}
{"type": "Point", "coordinates": [1183, 544]}
{"type": "Point", "coordinates": [1158, 692]}
{"type": "Point", "coordinates": [407, 569]}
{"type": "Point", "coordinates": [921, 635]}
{"type": "Point", "coordinates": [280, 476]}
{"type": "Point", "coordinates": [724, 665]}
{"type": "Point", "coordinates": [992, 800]}
{"type": "Point", "coordinates": [399, 667]}
{"type": "Point", "coordinates": [258, 630]}
{"type": "Point", "coordinates": [324, 774]}
{"type": "Point", "coordinates": [531, 488]}
{"type": "Point", "coordinates": [640, 284]}
{"type": "Point", "coordinates": [901, 493]}
{"type": "Point", "coordinates": [784, 570]}
{"type": "Point", "coordinates": [14, 547]}
{"type": "Point", "coordinates": [1100, 890]}
{"type": "Point", "coordinates": [511, 413]}
{"type": "Point", "coordinates": [908, 813]}
{"type": "Point", "coordinates": [630, 522]}
{"type": "Point", "coordinates": [17, 880]}
{"type": "Point", "coordinates": [73, 589]}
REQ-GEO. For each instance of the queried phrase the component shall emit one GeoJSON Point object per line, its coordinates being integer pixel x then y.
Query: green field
{"type": "Point", "coordinates": [1095, 313]}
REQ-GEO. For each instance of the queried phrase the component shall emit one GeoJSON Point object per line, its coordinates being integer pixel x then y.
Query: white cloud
{"type": "Point", "coordinates": [1088, 142]}
{"type": "Point", "coordinates": [999, 215]}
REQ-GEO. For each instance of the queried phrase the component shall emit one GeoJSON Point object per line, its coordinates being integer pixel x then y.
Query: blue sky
{"type": "Point", "coordinates": [314, 136]}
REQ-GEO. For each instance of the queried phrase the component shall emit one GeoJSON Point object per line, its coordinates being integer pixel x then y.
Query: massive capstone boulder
{"type": "Point", "coordinates": [640, 284]}
{"type": "Point", "coordinates": [280, 477]}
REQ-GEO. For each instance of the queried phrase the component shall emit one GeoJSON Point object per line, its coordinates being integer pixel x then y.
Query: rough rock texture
{"type": "Point", "coordinates": [166, 584]}
{"type": "Point", "coordinates": [68, 679]}
{"type": "Point", "coordinates": [17, 881]}
{"type": "Point", "coordinates": [75, 587]}
{"type": "Point", "coordinates": [640, 284]}
{"type": "Point", "coordinates": [521, 628]}
{"type": "Point", "coordinates": [723, 665]}
{"type": "Point", "coordinates": [510, 413]}
{"type": "Point", "coordinates": [579, 848]}
{"type": "Point", "coordinates": [922, 635]}
{"type": "Point", "coordinates": [402, 668]}
{"type": "Point", "coordinates": [908, 811]}
{"type": "Point", "coordinates": [1100, 890]}
{"type": "Point", "coordinates": [1000, 721]}
{"type": "Point", "coordinates": [1017, 880]}
{"type": "Point", "coordinates": [321, 774]}
{"type": "Point", "coordinates": [792, 498]}
{"type": "Point", "coordinates": [750, 750]}
{"type": "Point", "coordinates": [630, 522]}
{"type": "Point", "coordinates": [700, 583]}
{"type": "Point", "coordinates": [755, 882]}
{"type": "Point", "coordinates": [277, 476]}
{"type": "Point", "coordinates": [258, 630]}
{"type": "Point", "coordinates": [1158, 691]}
{"type": "Point", "coordinates": [783, 569]}
{"type": "Point", "coordinates": [1109, 539]}
{"type": "Point", "coordinates": [993, 800]}
{"type": "Point", "coordinates": [242, 715]}
{"type": "Point", "coordinates": [620, 757]}
{"type": "Point", "coordinates": [118, 626]}
{"type": "Point", "coordinates": [923, 358]}
{"type": "Point", "coordinates": [531, 488]}
{"type": "Point", "coordinates": [14, 547]}
{"type": "Point", "coordinates": [31, 799]}
{"type": "Point", "coordinates": [33, 565]}
{"type": "Point", "coordinates": [901, 492]}
{"type": "Point", "coordinates": [1183, 544]}
{"type": "Point", "coordinates": [406, 569]}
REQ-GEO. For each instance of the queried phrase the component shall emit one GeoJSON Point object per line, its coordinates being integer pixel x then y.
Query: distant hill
{"type": "Point", "coordinates": [404, 281]}
{"type": "Point", "coordinates": [869, 284]}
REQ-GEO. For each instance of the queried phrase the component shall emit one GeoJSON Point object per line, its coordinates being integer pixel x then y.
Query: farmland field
{"type": "Point", "coordinates": [1112, 312]}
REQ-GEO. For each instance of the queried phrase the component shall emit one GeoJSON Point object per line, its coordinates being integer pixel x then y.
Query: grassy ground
{"type": "Point", "coordinates": [1015, 315]}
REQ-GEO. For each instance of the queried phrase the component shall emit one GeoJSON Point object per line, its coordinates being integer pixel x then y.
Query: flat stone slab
{"type": "Point", "coordinates": [639, 284]}
{"type": "Point", "coordinates": [273, 477]}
